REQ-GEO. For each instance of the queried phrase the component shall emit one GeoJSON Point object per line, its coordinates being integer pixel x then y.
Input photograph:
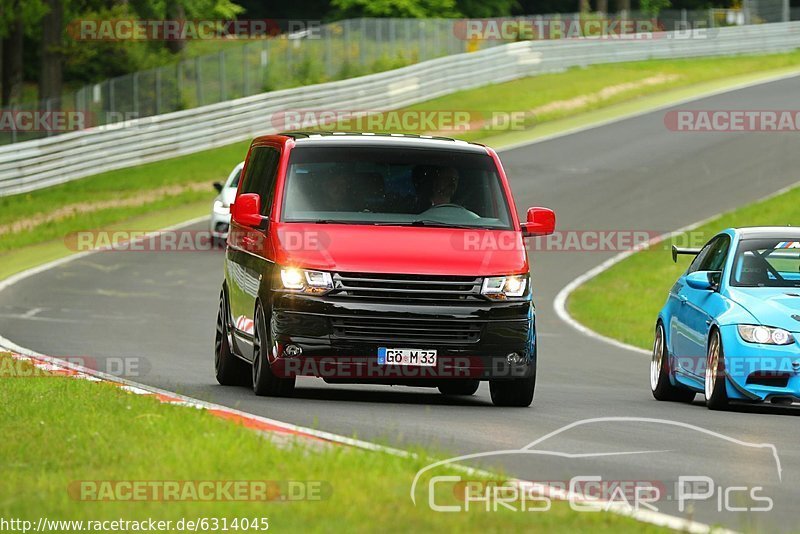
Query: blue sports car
{"type": "Point", "coordinates": [730, 328]}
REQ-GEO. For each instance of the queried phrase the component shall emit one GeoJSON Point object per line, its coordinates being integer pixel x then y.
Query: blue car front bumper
{"type": "Point", "coordinates": [758, 372]}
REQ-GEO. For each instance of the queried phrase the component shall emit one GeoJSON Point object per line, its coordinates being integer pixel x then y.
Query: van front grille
{"type": "Point", "coordinates": [407, 288]}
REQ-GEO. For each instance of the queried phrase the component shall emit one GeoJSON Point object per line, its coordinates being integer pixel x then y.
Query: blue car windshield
{"type": "Point", "coordinates": [767, 263]}
{"type": "Point", "coordinates": [390, 186]}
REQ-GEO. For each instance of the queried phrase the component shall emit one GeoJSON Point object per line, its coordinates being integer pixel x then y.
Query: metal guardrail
{"type": "Point", "coordinates": [32, 165]}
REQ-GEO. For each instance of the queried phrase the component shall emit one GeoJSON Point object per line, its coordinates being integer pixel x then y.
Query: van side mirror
{"type": "Point", "coordinates": [246, 210]}
{"type": "Point", "coordinates": [541, 221]}
{"type": "Point", "coordinates": [218, 186]}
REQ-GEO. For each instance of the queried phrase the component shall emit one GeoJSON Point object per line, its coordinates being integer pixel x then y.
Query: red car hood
{"type": "Point", "coordinates": [400, 250]}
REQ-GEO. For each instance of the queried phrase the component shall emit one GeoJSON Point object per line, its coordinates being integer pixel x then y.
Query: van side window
{"type": "Point", "coordinates": [260, 174]}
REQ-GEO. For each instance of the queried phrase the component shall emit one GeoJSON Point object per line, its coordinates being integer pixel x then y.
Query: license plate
{"type": "Point", "coordinates": [422, 357]}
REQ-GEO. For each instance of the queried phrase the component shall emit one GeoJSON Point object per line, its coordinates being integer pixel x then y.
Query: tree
{"type": "Point", "coordinates": [654, 7]}
{"type": "Point", "coordinates": [394, 8]}
{"type": "Point", "coordinates": [487, 8]}
{"type": "Point", "coordinates": [50, 78]}
{"type": "Point", "coordinates": [16, 18]}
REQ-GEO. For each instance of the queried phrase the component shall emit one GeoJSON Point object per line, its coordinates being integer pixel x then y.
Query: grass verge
{"type": "Point", "coordinates": [64, 431]}
{"type": "Point", "coordinates": [623, 302]}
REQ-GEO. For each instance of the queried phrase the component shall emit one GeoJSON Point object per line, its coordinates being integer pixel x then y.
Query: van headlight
{"type": "Point", "coordinates": [503, 287]}
{"type": "Point", "coordinates": [765, 335]}
{"type": "Point", "coordinates": [305, 281]}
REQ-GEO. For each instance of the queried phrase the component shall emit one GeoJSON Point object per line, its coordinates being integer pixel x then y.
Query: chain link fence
{"type": "Point", "coordinates": [334, 51]}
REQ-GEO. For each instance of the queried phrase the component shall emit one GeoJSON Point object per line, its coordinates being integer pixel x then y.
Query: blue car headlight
{"type": "Point", "coordinates": [765, 335]}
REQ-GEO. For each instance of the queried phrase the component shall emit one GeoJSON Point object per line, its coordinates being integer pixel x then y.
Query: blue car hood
{"type": "Point", "coordinates": [771, 306]}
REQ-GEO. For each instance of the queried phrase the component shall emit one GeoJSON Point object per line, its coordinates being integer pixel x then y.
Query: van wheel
{"type": "Point", "coordinates": [229, 370]}
{"type": "Point", "coordinates": [460, 387]}
{"type": "Point", "coordinates": [265, 383]}
{"type": "Point", "coordinates": [517, 392]}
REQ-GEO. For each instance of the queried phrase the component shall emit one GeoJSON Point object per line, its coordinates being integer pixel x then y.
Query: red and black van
{"type": "Point", "coordinates": [390, 259]}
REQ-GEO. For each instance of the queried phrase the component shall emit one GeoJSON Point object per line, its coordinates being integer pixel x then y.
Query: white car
{"type": "Point", "coordinates": [221, 209]}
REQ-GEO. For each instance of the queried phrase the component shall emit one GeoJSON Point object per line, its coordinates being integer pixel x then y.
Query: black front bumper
{"type": "Point", "coordinates": [339, 339]}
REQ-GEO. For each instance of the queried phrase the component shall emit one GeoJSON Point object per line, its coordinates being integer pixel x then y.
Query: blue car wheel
{"type": "Point", "coordinates": [660, 383]}
{"type": "Point", "coordinates": [716, 394]}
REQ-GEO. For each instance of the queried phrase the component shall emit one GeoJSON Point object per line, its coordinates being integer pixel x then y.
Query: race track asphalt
{"type": "Point", "coordinates": [630, 175]}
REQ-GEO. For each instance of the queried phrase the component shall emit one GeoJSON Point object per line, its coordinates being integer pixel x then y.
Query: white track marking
{"type": "Point", "coordinates": [560, 302]}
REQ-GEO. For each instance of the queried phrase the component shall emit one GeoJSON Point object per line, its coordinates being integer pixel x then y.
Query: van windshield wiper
{"type": "Point", "coordinates": [433, 224]}
{"type": "Point", "coordinates": [419, 222]}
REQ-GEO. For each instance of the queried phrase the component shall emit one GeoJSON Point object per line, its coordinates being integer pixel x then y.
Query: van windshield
{"type": "Point", "coordinates": [394, 186]}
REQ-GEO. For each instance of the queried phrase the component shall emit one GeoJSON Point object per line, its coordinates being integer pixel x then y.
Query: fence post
{"type": "Point", "coordinates": [423, 40]}
{"type": "Point", "coordinates": [136, 94]}
{"type": "Point", "coordinates": [112, 108]}
{"type": "Point", "coordinates": [264, 63]}
{"type": "Point", "coordinates": [14, 108]}
{"type": "Point", "coordinates": [327, 45]}
{"type": "Point", "coordinates": [158, 91]}
{"type": "Point", "coordinates": [47, 107]}
{"type": "Point", "coordinates": [222, 77]}
{"type": "Point", "coordinates": [179, 85]}
{"type": "Point", "coordinates": [392, 35]}
{"type": "Point", "coordinates": [244, 70]}
{"type": "Point", "coordinates": [347, 41]}
{"type": "Point", "coordinates": [198, 85]}
{"type": "Point", "coordinates": [362, 39]}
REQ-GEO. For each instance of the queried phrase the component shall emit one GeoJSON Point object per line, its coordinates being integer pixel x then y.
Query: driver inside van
{"type": "Point", "coordinates": [436, 186]}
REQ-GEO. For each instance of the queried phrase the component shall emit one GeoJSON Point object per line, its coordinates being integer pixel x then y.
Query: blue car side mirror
{"type": "Point", "coordinates": [705, 280]}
